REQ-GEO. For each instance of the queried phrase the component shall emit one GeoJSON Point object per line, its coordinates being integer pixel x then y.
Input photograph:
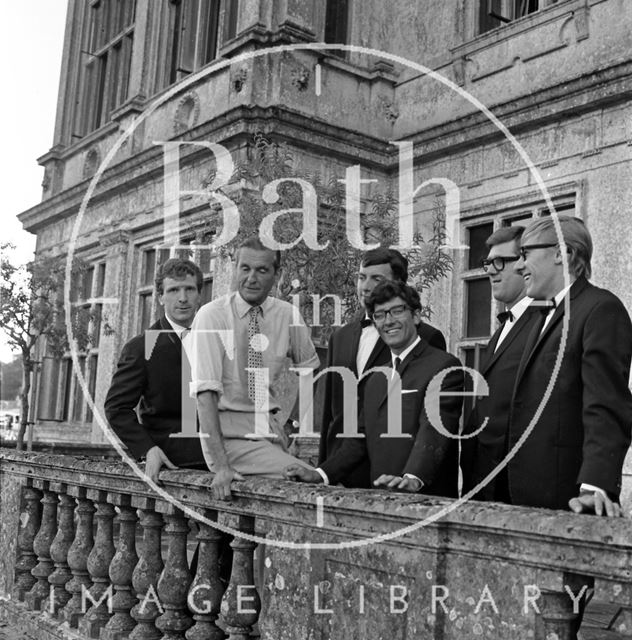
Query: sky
{"type": "Point", "coordinates": [32, 41]}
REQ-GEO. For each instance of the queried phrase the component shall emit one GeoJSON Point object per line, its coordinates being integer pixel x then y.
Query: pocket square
{"type": "Point", "coordinates": [409, 391]}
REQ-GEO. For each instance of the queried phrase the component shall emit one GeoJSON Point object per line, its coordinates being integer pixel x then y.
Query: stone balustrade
{"type": "Point", "coordinates": [88, 550]}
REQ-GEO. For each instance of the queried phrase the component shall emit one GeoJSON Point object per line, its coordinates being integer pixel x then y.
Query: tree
{"type": "Point", "coordinates": [331, 270]}
{"type": "Point", "coordinates": [31, 309]}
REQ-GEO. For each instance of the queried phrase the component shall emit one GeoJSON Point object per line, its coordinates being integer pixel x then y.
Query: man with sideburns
{"type": "Point", "coordinates": [416, 453]}
{"type": "Point", "coordinates": [358, 347]}
{"type": "Point", "coordinates": [573, 456]}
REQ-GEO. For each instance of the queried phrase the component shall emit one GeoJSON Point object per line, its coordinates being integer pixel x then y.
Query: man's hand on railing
{"type": "Point", "coordinates": [595, 502]}
{"type": "Point", "coordinates": [298, 473]}
{"type": "Point", "coordinates": [221, 482]}
{"type": "Point", "coordinates": [156, 459]}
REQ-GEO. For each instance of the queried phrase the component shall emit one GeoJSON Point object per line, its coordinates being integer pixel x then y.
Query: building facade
{"type": "Point", "coordinates": [138, 76]}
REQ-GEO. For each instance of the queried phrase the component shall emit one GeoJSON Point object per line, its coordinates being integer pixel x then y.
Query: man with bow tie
{"type": "Point", "coordinates": [148, 400]}
{"type": "Point", "coordinates": [499, 365]}
{"type": "Point", "coordinates": [416, 453]}
{"type": "Point", "coordinates": [358, 347]}
{"type": "Point", "coordinates": [570, 429]}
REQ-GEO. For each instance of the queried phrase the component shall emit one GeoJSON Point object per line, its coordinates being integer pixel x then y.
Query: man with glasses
{"type": "Point", "coordinates": [499, 365]}
{"type": "Point", "coordinates": [358, 347]}
{"type": "Point", "coordinates": [415, 454]}
{"type": "Point", "coordinates": [573, 456]}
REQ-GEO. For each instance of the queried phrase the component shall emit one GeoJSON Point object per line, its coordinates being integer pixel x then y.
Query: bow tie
{"type": "Point", "coordinates": [366, 322]}
{"type": "Point", "coordinates": [503, 316]}
{"type": "Point", "coordinates": [547, 305]}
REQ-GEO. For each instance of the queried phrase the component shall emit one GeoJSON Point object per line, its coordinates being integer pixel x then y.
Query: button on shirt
{"type": "Point", "coordinates": [220, 357]}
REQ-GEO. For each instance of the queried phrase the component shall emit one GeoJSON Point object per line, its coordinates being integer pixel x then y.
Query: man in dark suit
{"type": "Point", "coordinates": [499, 365]}
{"type": "Point", "coordinates": [570, 445]}
{"type": "Point", "coordinates": [148, 399]}
{"type": "Point", "coordinates": [414, 452]}
{"type": "Point", "coordinates": [358, 347]}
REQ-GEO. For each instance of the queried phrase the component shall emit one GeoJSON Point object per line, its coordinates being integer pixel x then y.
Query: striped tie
{"type": "Point", "coordinates": [256, 387]}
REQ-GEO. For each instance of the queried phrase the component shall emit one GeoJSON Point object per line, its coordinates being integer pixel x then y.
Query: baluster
{"type": "Point", "coordinates": [557, 615]}
{"type": "Point", "coordinates": [205, 594]}
{"type": "Point", "coordinates": [41, 545]}
{"type": "Point", "coordinates": [121, 570]}
{"type": "Point", "coordinates": [241, 604]}
{"type": "Point", "coordinates": [78, 557]}
{"type": "Point", "coordinates": [175, 579]}
{"type": "Point", "coordinates": [100, 594]}
{"type": "Point", "coordinates": [147, 572]}
{"type": "Point", "coordinates": [59, 551]}
{"type": "Point", "coordinates": [30, 520]}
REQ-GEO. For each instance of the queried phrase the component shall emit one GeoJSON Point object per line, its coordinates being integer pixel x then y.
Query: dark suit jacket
{"type": "Point", "coordinates": [155, 386]}
{"type": "Point", "coordinates": [583, 433]}
{"type": "Point", "coordinates": [499, 368]}
{"type": "Point", "coordinates": [429, 455]}
{"type": "Point", "coordinates": [342, 352]}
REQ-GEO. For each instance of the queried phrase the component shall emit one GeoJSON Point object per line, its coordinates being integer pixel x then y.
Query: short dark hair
{"type": "Point", "coordinates": [387, 290]}
{"type": "Point", "coordinates": [178, 269]}
{"type": "Point", "coordinates": [505, 234]}
{"type": "Point", "coordinates": [382, 255]}
{"type": "Point", "coordinates": [254, 242]}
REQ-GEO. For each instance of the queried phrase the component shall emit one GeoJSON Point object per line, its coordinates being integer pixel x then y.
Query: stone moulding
{"type": "Point", "coordinates": [496, 547]}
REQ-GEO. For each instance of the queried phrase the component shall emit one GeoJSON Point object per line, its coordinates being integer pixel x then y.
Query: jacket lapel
{"type": "Point", "coordinates": [415, 353]}
{"type": "Point", "coordinates": [509, 338]}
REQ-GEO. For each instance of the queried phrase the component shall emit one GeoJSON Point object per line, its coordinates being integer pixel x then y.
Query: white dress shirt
{"type": "Point", "coordinates": [516, 311]}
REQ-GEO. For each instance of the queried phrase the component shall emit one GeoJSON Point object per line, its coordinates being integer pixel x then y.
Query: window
{"type": "Point", "coordinates": [495, 13]}
{"type": "Point", "coordinates": [152, 258]}
{"type": "Point", "coordinates": [194, 35]}
{"type": "Point", "coordinates": [337, 24]}
{"type": "Point", "coordinates": [106, 59]}
{"type": "Point", "coordinates": [61, 397]}
{"type": "Point", "coordinates": [231, 13]}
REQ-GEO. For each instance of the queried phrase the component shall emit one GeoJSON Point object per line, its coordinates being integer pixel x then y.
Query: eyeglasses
{"type": "Point", "coordinates": [498, 262]}
{"type": "Point", "coordinates": [528, 247]}
{"type": "Point", "coordinates": [395, 312]}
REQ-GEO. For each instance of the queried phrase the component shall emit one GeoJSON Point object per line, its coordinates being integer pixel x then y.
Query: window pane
{"type": "Point", "coordinates": [149, 267]}
{"type": "Point", "coordinates": [92, 381]}
{"type": "Point", "coordinates": [336, 23]}
{"type": "Point", "coordinates": [100, 280]}
{"type": "Point", "coordinates": [478, 249]}
{"type": "Point", "coordinates": [86, 282]}
{"type": "Point", "coordinates": [479, 301]}
{"type": "Point", "coordinates": [145, 311]}
{"type": "Point", "coordinates": [230, 19]}
{"type": "Point", "coordinates": [49, 384]}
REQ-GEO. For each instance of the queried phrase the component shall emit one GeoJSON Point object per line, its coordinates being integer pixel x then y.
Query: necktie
{"type": "Point", "coordinates": [185, 333]}
{"type": "Point", "coordinates": [503, 316]}
{"type": "Point", "coordinates": [398, 363]}
{"type": "Point", "coordinates": [256, 388]}
{"type": "Point", "coordinates": [547, 306]}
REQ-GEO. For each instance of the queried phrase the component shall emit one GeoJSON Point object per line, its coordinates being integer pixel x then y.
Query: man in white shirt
{"type": "Point", "coordinates": [499, 365]}
{"type": "Point", "coordinates": [148, 402]}
{"type": "Point", "coordinates": [235, 339]}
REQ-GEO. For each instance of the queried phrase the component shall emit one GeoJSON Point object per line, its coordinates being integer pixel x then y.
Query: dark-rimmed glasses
{"type": "Point", "coordinates": [395, 312]}
{"type": "Point", "coordinates": [498, 262]}
{"type": "Point", "coordinates": [528, 247]}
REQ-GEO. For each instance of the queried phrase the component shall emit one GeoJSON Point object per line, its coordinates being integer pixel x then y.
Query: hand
{"type": "Point", "coordinates": [221, 482]}
{"type": "Point", "coordinates": [155, 461]}
{"type": "Point", "coordinates": [401, 484]}
{"type": "Point", "coordinates": [595, 503]}
{"type": "Point", "coordinates": [299, 473]}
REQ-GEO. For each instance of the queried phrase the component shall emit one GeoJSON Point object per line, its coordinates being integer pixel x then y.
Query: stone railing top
{"type": "Point", "coordinates": [546, 539]}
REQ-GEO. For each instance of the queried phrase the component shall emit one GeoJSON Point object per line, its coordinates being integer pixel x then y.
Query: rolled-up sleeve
{"type": "Point", "coordinates": [212, 342]}
{"type": "Point", "coordinates": [302, 351]}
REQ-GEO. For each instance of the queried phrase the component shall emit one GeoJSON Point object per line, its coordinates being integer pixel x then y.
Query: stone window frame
{"type": "Point", "coordinates": [510, 10]}
{"type": "Point", "coordinates": [66, 403]}
{"type": "Point", "coordinates": [104, 67]}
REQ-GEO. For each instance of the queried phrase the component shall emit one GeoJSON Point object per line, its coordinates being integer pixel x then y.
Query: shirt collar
{"type": "Point", "coordinates": [244, 307]}
{"type": "Point", "coordinates": [520, 307]}
{"type": "Point", "coordinates": [402, 356]}
{"type": "Point", "coordinates": [561, 295]}
{"type": "Point", "coordinates": [178, 328]}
